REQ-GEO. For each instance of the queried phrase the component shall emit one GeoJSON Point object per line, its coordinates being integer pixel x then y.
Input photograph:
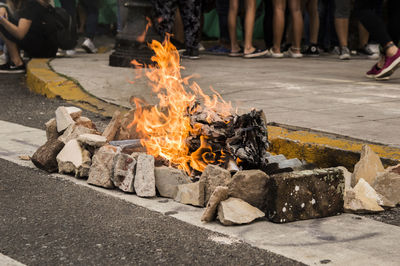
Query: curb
{"type": "Point", "coordinates": [321, 149]}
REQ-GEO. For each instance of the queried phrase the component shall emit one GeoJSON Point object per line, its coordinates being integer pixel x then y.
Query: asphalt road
{"type": "Point", "coordinates": [45, 221]}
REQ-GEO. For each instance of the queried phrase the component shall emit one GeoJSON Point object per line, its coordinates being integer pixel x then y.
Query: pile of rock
{"type": "Point", "coordinates": [371, 187]}
{"type": "Point", "coordinates": [74, 146]}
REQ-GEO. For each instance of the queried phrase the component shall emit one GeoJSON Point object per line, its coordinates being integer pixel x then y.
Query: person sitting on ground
{"type": "Point", "coordinates": [376, 27]}
{"type": "Point", "coordinates": [29, 33]}
{"type": "Point", "coordinates": [249, 51]}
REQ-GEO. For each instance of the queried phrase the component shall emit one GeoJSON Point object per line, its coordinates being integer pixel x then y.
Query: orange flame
{"type": "Point", "coordinates": [166, 126]}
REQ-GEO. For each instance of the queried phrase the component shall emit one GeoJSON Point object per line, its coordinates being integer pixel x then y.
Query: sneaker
{"type": "Point", "coordinates": [312, 50]}
{"type": "Point", "coordinates": [369, 52]}
{"type": "Point", "coordinates": [344, 53]}
{"type": "Point", "coordinates": [60, 53]}
{"type": "Point", "coordinates": [375, 70]}
{"type": "Point", "coordinates": [391, 64]}
{"type": "Point", "coordinates": [191, 53]}
{"type": "Point", "coordinates": [71, 52]}
{"type": "Point", "coordinates": [89, 47]}
{"type": "Point", "coordinates": [292, 54]}
{"type": "Point", "coordinates": [9, 67]}
{"type": "Point", "coordinates": [275, 55]}
{"type": "Point", "coordinates": [201, 47]}
{"type": "Point", "coordinates": [256, 53]}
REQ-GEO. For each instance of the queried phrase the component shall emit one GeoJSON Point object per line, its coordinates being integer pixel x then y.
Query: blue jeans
{"type": "Point", "coordinates": [92, 11]}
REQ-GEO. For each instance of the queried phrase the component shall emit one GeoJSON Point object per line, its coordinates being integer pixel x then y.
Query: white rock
{"type": "Point", "coordinates": [63, 118]}
{"type": "Point", "coordinates": [168, 179]}
{"type": "Point", "coordinates": [363, 198]}
{"type": "Point", "coordinates": [192, 193]}
{"type": "Point", "coordinates": [92, 140]}
{"type": "Point", "coordinates": [145, 183]}
{"type": "Point", "coordinates": [123, 172]}
{"type": "Point", "coordinates": [70, 157]}
{"type": "Point", "coordinates": [220, 194]}
{"type": "Point", "coordinates": [74, 112]}
{"type": "Point", "coordinates": [388, 184]}
{"type": "Point", "coordinates": [101, 170]}
{"type": "Point", "coordinates": [368, 167]}
{"type": "Point", "coordinates": [347, 177]}
{"type": "Point", "coordinates": [73, 132]}
{"type": "Point", "coordinates": [237, 211]}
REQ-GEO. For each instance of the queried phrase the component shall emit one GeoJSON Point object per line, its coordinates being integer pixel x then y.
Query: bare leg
{"type": "Point", "coordinates": [13, 51]}
{"type": "Point", "coordinates": [363, 35]}
{"type": "Point", "coordinates": [312, 7]}
{"type": "Point", "coordinates": [278, 23]}
{"type": "Point", "coordinates": [342, 30]}
{"type": "Point", "coordinates": [249, 25]}
{"type": "Point", "coordinates": [295, 10]}
{"type": "Point", "coordinates": [232, 16]}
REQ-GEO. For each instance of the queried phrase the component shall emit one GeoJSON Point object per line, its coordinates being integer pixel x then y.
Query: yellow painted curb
{"type": "Point", "coordinates": [321, 149]}
{"type": "Point", "coordinates": [43, 80]}
{"type": "Point", "coordinates": [325, 150]}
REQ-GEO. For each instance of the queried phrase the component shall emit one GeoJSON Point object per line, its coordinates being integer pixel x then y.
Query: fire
{"type": "Point", "coordinates": [166, 126]}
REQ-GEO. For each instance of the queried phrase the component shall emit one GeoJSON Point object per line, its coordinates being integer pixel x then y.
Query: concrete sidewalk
{"type": "Point", "coordinates": [322, 94]}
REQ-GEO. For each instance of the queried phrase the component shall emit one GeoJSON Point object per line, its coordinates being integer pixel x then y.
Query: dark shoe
{"type": "Point", "coordinates": [11, 68]}
{"type": "Point", "coordinates": [391, 64]}
{"type": "Point", "coordinates": [191, 53]}
{"type": "Point", "coordinates": [312, 50]}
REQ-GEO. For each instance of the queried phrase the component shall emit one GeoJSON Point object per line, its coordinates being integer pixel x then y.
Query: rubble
{"type": "Point", "coordinates": [220, 194]}
{"type": "Point", "coordinates": [168, 179]}
{"type": "Point", "coordinates": [368, 167]}
{"type": "Point", "coordinates": [51, 129]}
{"type": "Point", "coordinates": [63, 118]}
{"type": "Point", "coordinates": [101, 170]}
{"type": "Point", "coordinates": [74, 112]}
{"type": "Point", "coordinates": [192, 193]}
{"type": "Point", "coordinates": [145, 184]}
{"type": "Point", "coordinates": [112, 127]}
{"type": "Point", "coordinates": [72, 159]}
{"type": "Point", "coordinates": [305, 195]}
{"type": "Point", "coordinates": [250, 186]}
{"type": "Point", "coordinates": [362, 199]}
{"type": "Point", "coordinates": [92, 140]}
{"type": "Point", "coordinates": [123, 171]}
{"type": "Point", "coordinates": [74, 131]}
{"type": "Point", "coordinates": [45, 157]}
{"type": "Point", "coordinates": [212, 177]}
{"type": "Point", "coordinates": [86, 122]}
{"type": "Point", "coordinates": [347, 177]}
{"type": "Point", "coordinates": [237, 211]}
{"type": "Point", "coordinates": [387, 184]}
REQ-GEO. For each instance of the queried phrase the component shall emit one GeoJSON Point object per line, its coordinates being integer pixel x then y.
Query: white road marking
{"type": "Point", "coordinates": [7, 261]}
{"type": "Point", "coordinates": [343, 240]}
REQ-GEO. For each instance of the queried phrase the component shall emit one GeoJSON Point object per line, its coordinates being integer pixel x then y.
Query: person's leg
{"type": "Point", "coordinates": [92, 12]}
{"type": "Point", "coordinates": [12, 47]}
{"type": "Point", "coordinates": [312, 7]}
{"type": "Point", "coordinates": [363, 36]}
{"type": "Point", "coordinates": [232, 17]}
{"type": "Point", "coordinates": [278, 23]}
{"type": "Point", "coordinates": [165, 14]}
{"type": "Point", "coordinates": [190, 13]}
{"type": "Point", "coordinates": [222, 7]}
{"type": "Point", "coordinates": [268, 23]}
{"type": "Point", "coordinates": [297, 18]}
{"type": "Point", "coordinates": [250, 6]}
{"type": "Point", "coordinates": [342, 31]}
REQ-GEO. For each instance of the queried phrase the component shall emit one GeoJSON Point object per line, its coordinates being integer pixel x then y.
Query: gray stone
{"type": "Point", "coordinates": [276, 158]}
{"type": "Point", "coordinates": [63, 118]}
{"type": "Point", "coordinates": [74, 131]}
{"type": "Point", "coordinates": [192, 193]}
{"type": "Point", "coordinates": [219, 194]}
{"type": "Point", "coordinates": [347, 177]}
{"type": "Point", "coordinates": [74, 112]}
{"type": "Point", "coordinates": [305, 194]}
{"type": "Point", "coordinates": [45, 157]}
{"type": "Point", "coordinates": [368, 167]}
{"type": "Point", "coordinates": [145, 184]}
{"type": "Point", "coordinates": [212, 177]}
{"type": "Point", "coordinates": [51, 129]}
{"type": "Point", "coordinates": [123, 172]}
{"type": "Point", "coordinates": [237, 211]}
{"type": "Point", "coordinates": [101, 170]}
{"type": "Point", "coordinates": [362, 199]}
{"type": "Point", "coordinates": [387, 184]}
{"type": "Point", "coordinates": [92, 140]}
{"type": "Point", "coordinates": [112, 128]}
{"type": "Point", "coordinates": [290, 163]}
{"type": "Point", "coordinates": [250, 186]}
{"type": "Point", "coordinates": [168, 179]}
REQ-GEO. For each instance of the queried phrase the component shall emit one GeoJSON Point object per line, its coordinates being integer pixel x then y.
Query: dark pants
{"type": "Point", "coordinates": [222, 8]}
{"type": "Point", "coordinates": [190, 12]}
{"type": "Point", "coordinates": [70, 7]}
{"type": "Point", "coordinates": [394, 20]}
{"type": "Point", "coordinates": [268, 23]}
{"type": "Point", "coordinates": [92, 16]}
{"type": "Point", "coordinates": [373, 23]}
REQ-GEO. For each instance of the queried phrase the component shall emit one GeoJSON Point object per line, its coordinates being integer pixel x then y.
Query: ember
{"type": "Point", "coordinates": [190, 129]}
